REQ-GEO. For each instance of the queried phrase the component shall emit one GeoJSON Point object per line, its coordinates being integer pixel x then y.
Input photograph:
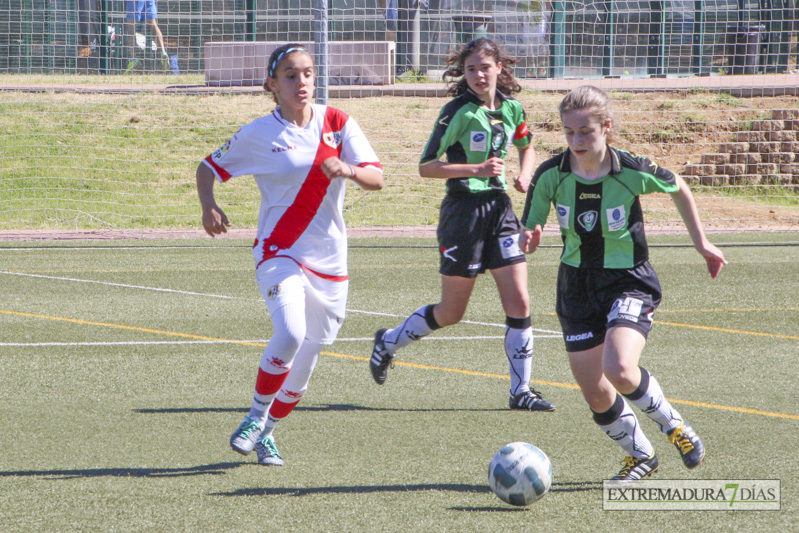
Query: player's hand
{"type": "Point", "coordinates": [530, 239]}
{"type": "Point", "coordinates": [714, 259]}
{"type": "Point", "coordinates": [215, 221]}
{"type": "Point", "coordinates": [521, 184]}
{"type": "Point", "coordinates": [490, 167]}
{"type": "Point", "coordinates": [333, 167]}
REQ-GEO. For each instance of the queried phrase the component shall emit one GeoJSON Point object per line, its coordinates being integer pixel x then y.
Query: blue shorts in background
{"type": "Point", "coordinates": [141, 10]}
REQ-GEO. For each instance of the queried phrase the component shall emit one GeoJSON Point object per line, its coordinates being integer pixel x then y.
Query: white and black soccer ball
{"type": "Point", "coordinates": [520, 474]}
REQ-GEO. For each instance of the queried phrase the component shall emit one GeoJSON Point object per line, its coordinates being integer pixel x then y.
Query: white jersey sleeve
{"type": "Point", "coordinates": [235, 157]}
{"type": "Point", "coordinates": [356, 149]}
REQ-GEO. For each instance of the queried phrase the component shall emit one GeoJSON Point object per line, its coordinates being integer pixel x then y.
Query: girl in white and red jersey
{"type": "Point", "coordinates": [301, 156]}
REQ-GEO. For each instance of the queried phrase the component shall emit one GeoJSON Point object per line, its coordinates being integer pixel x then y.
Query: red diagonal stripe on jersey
{"type": "Point", "coordinates": [299, 214]}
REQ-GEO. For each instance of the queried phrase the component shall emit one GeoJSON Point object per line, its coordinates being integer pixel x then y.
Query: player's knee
{"type": "Point", "coordinates": [623, 377]}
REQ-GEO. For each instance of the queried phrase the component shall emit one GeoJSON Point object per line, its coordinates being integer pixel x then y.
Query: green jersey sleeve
{"type": "Point", "coordinates": [654, 177]}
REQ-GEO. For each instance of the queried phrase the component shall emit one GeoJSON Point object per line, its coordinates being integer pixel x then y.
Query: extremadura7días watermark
{"type": "Point", "coordinates": [693, 495]}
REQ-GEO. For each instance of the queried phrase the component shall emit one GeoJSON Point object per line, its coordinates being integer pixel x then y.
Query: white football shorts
{"type": "Point", "coordinates": [283, 281]}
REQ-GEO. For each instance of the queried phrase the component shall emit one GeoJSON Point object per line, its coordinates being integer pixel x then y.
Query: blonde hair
{"type": "Point", "coordinates": [588, 97]}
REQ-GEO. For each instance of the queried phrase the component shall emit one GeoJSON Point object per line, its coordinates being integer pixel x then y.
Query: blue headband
{"type": "Point", "coordinates": [275, 61]}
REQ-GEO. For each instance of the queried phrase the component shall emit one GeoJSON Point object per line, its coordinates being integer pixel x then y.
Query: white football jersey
{"type": "Point", "coordinates": [301, 209]}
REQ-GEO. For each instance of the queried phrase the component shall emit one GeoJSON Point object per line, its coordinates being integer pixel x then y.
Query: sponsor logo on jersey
{"type": "Point", "coordinates": [332, 139]}
{"type": "Point", "coordinates": [273, 291]}
{"type": "Point", "coordinates": [521, 131]}
{"type": "Point", "coordinates": [446, 251]}
{"type": "Point", "coordinates": [617, 218]}
{"type": "Point", "coordinates": [496, 121]}
{"type": "Point", "coordinates": [478, 141]}
{"type": "Point", "coordinates": [588, 220]}
{"type": "Point", "coordinates": [579, 337]}
{"type": "Point", "coordinates": [590, 196]}
{"type": "Point", "coordinates": [279, 149]}
{"type": "Point", "coordinates": [563, 215]}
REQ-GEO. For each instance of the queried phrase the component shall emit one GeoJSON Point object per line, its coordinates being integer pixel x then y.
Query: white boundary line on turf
{"type": "Point", "coordinates": [204, 295]}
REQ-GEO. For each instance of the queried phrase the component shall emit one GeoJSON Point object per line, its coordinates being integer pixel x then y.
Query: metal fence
{"type": "Point", "coordinates": [551, 39]}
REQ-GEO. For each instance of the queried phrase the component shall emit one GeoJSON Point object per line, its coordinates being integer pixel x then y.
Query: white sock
{"type": "Point", "coordinates": [649, 398]}
{"type": "Point", "coordinates": [519, 351]}
{"type": "Point", "coordinates": [412, 329]}
{"type": "Point", "coordinates": [620, 424]}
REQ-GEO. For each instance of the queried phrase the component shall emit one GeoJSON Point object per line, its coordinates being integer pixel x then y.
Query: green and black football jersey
{"type": "Point", "coordinates": [469, 133]}
{"type": "Point", "coordinates": [601, 221]}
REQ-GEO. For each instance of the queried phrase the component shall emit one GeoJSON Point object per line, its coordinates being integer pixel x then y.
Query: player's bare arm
{"type": "Point", "coordinates": [440, 170]}
{"type": "Point", "coordinates": [527, 159]}
{"type": "Point", "coordinates": [214, 220]}
{"type": "Point", "coordinates": [368, 179]}
{"type": "Point", "coordinates": [686, 205]}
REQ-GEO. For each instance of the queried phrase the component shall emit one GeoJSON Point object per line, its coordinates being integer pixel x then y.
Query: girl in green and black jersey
{"type": "Point", "coordinates": [607, 291]}
{"type": "Point", "coordinates": [477, 228]}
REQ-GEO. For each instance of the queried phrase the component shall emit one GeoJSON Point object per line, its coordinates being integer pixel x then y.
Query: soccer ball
{"type": "Point", "coordinates": [520, 474]}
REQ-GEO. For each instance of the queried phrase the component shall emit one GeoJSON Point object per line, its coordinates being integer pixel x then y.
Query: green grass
{"type": "Point", "coordinates": [91, 160]}
{"type": "Point", "coordinates": [133, 437]}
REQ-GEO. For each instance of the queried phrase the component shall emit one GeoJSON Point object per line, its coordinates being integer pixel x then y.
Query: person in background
{"type": "Point", "coordinates": [139, 11]}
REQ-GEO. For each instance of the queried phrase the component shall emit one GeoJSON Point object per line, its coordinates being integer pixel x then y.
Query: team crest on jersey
{"type": "Point", "coordinates": [332, 139]}
{"type": "Point", "coordinates": [588, 220]}
{"type": "Point", "coordinates": [273, 291]}
{"type": "Point", "coordinates": [617, 218]}
{"type": "Point", "coordinates": [498, 141]}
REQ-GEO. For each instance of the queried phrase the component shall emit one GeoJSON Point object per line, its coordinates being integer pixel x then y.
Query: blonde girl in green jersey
{"type": "Point", "coordinates": [607, 291]}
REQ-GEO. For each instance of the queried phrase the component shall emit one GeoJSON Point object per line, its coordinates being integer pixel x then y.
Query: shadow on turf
{"type": "Point", "coordinates": [365, 489]}
{"type": "Point", "coordinates": [311, 408]}
{"type": "Point", "coordinates": [201, 470]}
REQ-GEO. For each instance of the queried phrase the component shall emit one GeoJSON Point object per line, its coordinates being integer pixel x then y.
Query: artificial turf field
{"type": "Point", "coordinates": [127, 365]}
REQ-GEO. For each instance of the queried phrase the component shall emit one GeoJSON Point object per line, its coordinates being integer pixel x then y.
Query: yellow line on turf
{"type": "Point", "coordinates": [130, 328]}
{"type": "Point", "coordinates": [401, 363]}
{"type": "Point", "coordinates": [572, 386]}
{"type": "Point", "coordinates": [725, 330]}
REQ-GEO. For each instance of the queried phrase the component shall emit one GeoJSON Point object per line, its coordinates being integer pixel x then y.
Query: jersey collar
{"type": "Point", "coordinates": [615, 161]}
{"type": "Point", "coordinates": [472, 97]}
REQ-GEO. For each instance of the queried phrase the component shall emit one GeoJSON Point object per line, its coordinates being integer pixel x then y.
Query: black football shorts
{"type": "Point", "coordinates": [592, 300]}
{"type": "Point", "coordinates": [477, 233]}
